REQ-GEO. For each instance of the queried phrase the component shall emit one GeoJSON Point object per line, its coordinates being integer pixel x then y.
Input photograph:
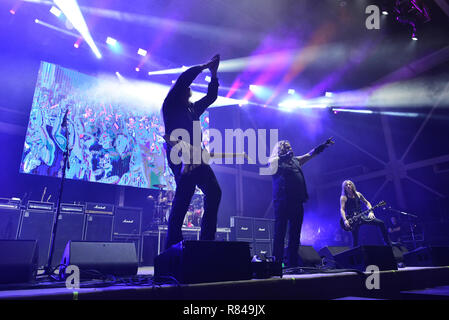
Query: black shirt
{"type": "Point", "coordinates": [178, 113]}
{"type": "Point", "coordinates": [288, 181]}
{"type": "Point", "coordinates": [352, 206]}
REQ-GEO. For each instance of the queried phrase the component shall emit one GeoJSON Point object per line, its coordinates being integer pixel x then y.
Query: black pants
{"type": "Point", "coordinates": [205, 179]}
{"type": "Point", "coordinates": [291, 214]}
{"type": "Point", "coordinates": [377, 222]}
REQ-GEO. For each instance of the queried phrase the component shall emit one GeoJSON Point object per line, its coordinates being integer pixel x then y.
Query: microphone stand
{"type": "Point", "coordinates": [48, 269]}
{"type": "Point", "coordinates": [408, 215]}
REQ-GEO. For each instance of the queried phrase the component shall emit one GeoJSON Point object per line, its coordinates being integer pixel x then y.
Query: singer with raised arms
{"type": "Point", "coordinates": [180, 113]}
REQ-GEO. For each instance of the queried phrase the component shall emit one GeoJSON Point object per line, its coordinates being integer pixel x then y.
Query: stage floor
{"type": "Point", "coordinates": [406, 283]}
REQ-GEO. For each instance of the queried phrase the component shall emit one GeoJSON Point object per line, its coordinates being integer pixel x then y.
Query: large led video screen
{"type": "Point", "coordinates": [113, 129]}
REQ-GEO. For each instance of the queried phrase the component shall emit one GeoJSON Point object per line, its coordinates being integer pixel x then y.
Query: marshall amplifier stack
{"type": "Point", "coordinates": [258, 232]}
{"type": "Point", "coordinates": [99, 220]}
{"type": "Point", "coordinates": [71, 223]}
{"type": "Point", "coordinates": [10, 214]}
{"type": "Point", "coordinates": [127, 227]}
{"type": "Point", "coordinates": [37, 224]}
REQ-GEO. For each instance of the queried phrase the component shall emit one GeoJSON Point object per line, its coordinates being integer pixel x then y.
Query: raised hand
{"type": "Point", "coordinates": [212, 65]}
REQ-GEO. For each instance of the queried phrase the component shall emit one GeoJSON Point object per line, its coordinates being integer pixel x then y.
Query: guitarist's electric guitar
{"type": "Point", "coordinates": [359, 217]}
{"type": "Point", "coordinates": [189, 152]}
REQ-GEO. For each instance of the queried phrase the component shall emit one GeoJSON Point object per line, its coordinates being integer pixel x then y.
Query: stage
{"type": "Point", "coordinates": [409, 283]}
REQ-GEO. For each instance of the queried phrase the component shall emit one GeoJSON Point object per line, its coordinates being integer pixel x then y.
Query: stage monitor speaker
{"type": "Point", "coordinates": [308, 257]}
{"type": "Point", "coordinates": [127, 221]}
{"type": "Point", "coordinates": [9, 223]}
{"type": "Point", "coordinates": [38, 225]}
{"type": "Point", "coordinates": [18, 261]}
{"type": "Point", "coordinates": [70, 227]}
{"type": "Point", "coordinates": [136, 240]}
{"type": "Point", "coordinates": [328, 254]}
{"type": "Point", "coordinates": [205, 261]}
{"type": "Point", "coordinates": [361, 257]}
{"type": "Point", "coordinates": [398, 252]}
{"type": "Point", "coordinates": [242, 228]}
{"type": "Point", "coordinates": [98, 227]}
{"type": "Point", "coordinates": [427, 257]}
{"type": "Point", "coordinates": [106, 258]}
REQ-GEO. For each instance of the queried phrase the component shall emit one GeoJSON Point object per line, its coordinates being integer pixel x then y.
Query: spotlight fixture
{"type": "Point", "coordinates": [142, 52]}
{"type": "Point", "coordinates": [55, 11]}
{"type": "Point", "coordinates": [111, 41]}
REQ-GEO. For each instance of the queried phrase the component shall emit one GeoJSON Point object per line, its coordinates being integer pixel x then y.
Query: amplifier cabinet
{"type": "Point", "coordinates": [242, 228]}
{"type": "Point", "coordinates": [38, 225]}
{"type": "Point", "coordinates": [98, 227]}
{"type": "Point", "coordinates": [127, 221]}
{"type": "Point", "coordinates": [70, 227]}
{"type": "Point", "coordinates": [262, 248]}
{"type": "Point", "coordinates": [9, 223]}
{"type": "Point", "coordinates": [263, 229]}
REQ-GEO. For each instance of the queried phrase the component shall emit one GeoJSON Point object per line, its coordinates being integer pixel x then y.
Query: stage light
{"type": "Point", "coordinates": [385, 13]}
{"type": "Point", "coordinates": [55, 11]}
{"type": "Point", "coordinates": [36, 20]}
{"type": "Point", "coordinates": [328, 94]}
{"type": "Point", "coordinates": [142, 52]}
{"type": "Point", "coordinates": [243, 103]}
{"type": "Point", "coordinates": [353, 110]}
{"type": "Point", "coordinates": [111, 41]}
{"type": "Point", "coordinates": [207, 79]}
{"type": "Point", "coordinates": [76, 45]}
{"type": "Point", "coordinates": [12, 11]}
{"type": "Point", "coordinates": [73, 13]}
{"type": "Point", "coordinates": [137, 69]}
{"type": "Point", "coordinates": [414, 37]}
{"type": "Point", "coordinates": [291, 91]}
{"type": "Point", "coordinates": [254, 88]}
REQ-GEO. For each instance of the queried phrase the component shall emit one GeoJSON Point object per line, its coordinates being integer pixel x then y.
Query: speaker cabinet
{"type": "Point", "coordinates": [328, 253]}
{"type": "Point", "coordinates": [9, 223]}
{"type": "Point", "coordinates": [427, 257]}
{"type": "Point", "coordinates": [127, 221]}
{"type": "Point", "coordinates": [38, 225]}
{"type": "Point", "coordinates": [150, 242]}
{"type": "Point", "coordinates": [98, 227]}
{"type": "Point", "coordinates": [398, 252]}
{"type": "Point", "coordinates": [205, 261]}
{"type": "Point", "coordinates": [18, 261]}
{"type": "Point", "coordinates": [107, 258]}
{"type": "Point", "coordinates": [70, 227]}
{"type": "Point", "coordinates": [262, 228]}
{"type": "Point", "coordinates": [262, 248]}
{"type": "Point", "coordinates": [362, 256]}
{"type": "Point", "coordinates": [136, 240]}
{"type": "Point", "coordinates": [242, 228]}
{"type": "Point", "coordinates": [308, 257]}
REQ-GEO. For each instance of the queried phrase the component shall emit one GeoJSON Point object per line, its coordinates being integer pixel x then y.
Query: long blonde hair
{"type": "Point", "coordinates": [343, 189]}
{"type": "Point", "coordinates": [277, 150]}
